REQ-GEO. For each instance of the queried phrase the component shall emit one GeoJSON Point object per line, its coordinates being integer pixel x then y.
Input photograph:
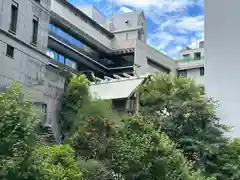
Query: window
{"type": "Point", "coordinates": [35, 30]}
{"type": "Point", "coordinates": [202, 71]}
{"type": "Point", "coordinates": [197, 56]}
{"type": "Point", "coordinates": [38, 1]}
{"type": "Point", "coordinates": [14, 17]}
{"type": "Point", "coordinates": [157, 66]}
{"type": "Point", "coordinates": [61, 59]}
{"type": "Point", "coordinates": [182, 73]}
{"type": "Point", "coordinates": [70, 63]}
{"type": "Point", "coordinates": [186, 56]}
{"type": "Point", "coordinates": [10, 51]}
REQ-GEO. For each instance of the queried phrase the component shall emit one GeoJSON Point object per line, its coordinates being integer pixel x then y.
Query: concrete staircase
{"type": "Point", "coordinates": [46, 135]}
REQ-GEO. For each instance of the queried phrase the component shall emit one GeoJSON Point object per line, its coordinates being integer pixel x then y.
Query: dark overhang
{"type": "Point", "coordinates": [76, 55]}
{"type": "Point", "coordinates": [78, 33]}
{"type": "Point", "coordinates": [123, 51]}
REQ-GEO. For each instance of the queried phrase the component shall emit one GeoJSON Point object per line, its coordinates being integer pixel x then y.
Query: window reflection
{"type": "Point", "coordinates": [56, 30]}
{"type": "Point", "coordinates": [60, 58]}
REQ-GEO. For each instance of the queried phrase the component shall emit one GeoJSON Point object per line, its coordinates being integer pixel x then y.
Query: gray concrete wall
{"type": "Point", "coordinates": [192, 51]}
{"type": "Point", "coordinates": [222, 27]}
{"type": "Point", "coordinates": [119, 21]}
{"type": "Point", "coordinates": [67, 14]}
{"type": "Point", "coordinates": [143, 51]}
{"type": "Point", "coordinates": [125, 32]}
{"type": "Point", "coordinates": [27, 10]}
{"type": "Point", "coordinates": [195, 75]}
{"type": "Point", "coordinates": [94, 14]}
{"type": "Point", "coordinates": [28, 66]}
{"type": "Point", "coordinates": [193, 70]}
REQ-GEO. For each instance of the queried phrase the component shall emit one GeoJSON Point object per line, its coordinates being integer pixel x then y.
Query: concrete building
{"type": "Point", "coordinates": [191, 63]}
{"type": "Point", "coordinates": [23, 46]}
{"type": "Point", "coordinates": [42, 40]}
{"type": "Point", "coordinates": [222, 58]}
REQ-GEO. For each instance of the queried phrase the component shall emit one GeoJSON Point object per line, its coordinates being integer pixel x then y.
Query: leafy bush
{"type": "Point", "coordinates": [54, 162]}
{"type": "Point", "coordinates": [18, 124]}
{"type": "Point", "coordinates": [75, 95]}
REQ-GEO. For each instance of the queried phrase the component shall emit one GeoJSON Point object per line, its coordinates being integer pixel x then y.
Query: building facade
{"type": "Point", "coordinates": [23, 46]}
{"type": "Point", "coordinates": [222, 58]}
{"type": "Point", "coordinates": [191, 63]}
{"type": "Point", "coordinates": [42, 40]}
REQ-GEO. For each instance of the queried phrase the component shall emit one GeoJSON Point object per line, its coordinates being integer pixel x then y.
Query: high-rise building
{"type": "Point", "coordinates": [222, 27]}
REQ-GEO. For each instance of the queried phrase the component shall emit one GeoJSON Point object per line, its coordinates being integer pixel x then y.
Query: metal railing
{"type": "Point", "coordinates": [186, 60]}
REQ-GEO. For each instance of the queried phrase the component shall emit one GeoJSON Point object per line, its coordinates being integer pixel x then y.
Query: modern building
{"type": "Point", "coordinates": [43, 40]}
{"type": "Point", "coordinates": [222, 27]}
{"type": "Point", "coordinates": [191, 63]}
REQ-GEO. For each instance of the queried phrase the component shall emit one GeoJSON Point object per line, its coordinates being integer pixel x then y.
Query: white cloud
{"type": "Point", "coordinates": [164, 5]}
{"type": "Point", "coordinates": [174, 52]}
{"type": "Point", "coordinates": [191, 23]}
{"type": "Point", "coordinates": [160, 40]}
{"type": "Point", "coordinates": [125, 9]}
{"type": "Point", "coordinates": [172, 26]}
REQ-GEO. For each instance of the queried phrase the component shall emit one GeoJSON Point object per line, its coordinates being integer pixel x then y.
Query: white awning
{"type": "Point", "coordinates": [116, 89]}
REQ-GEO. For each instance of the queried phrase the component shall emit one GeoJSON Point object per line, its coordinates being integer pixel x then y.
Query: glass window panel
{"type": "Point", "coordinates": [71, 64]}
{"type": "Point", "coordinates": [61, 58]}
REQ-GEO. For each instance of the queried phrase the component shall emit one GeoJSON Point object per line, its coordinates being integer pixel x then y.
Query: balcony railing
{"type": "Point", "coordinates": [186, 60]}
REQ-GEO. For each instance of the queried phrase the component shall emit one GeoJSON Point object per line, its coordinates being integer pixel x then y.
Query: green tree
{"type": "Point", "coordinates": [132, 149]}
{"type": "Point", "coordinates": [18, 124]}
{"type": "Point", "coordinates": [141, 152]}
{"type": "Point", "coordinates": [180, 108]}
{"type": "Point", "coordinates": [75, 95]}
{"type": "Point", "coordinates": [97, 125]}
{"type": "Point", "coordinates": [21, 157]}
{"type": "Point", "coordinates": [227, 160]}
{"type": "Point", "coordinates": [54, 162]}
{"type": "Point", "coordinates": [95, 170]}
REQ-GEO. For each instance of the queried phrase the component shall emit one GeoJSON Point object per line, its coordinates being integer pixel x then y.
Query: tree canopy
{"type": "Point", "coordinates": [176, 135]}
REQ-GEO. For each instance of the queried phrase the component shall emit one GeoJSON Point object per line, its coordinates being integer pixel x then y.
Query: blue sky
{"type": "Point", "coordinates": [172, 24]}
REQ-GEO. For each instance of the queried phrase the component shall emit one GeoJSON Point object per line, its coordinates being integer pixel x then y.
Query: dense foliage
{"type": "Point", "coordinates": [54, 162]}
{"type": "Point", "coordinates": [18, 124]}
{"type": "Point", "coordinates": [21, 157]}
{"type": "Point", "coordinates": [180, 108]}
{"type": "Point", "coordinates": [176, 136]}
{"type": "Point", "coordinates": [75, 95]}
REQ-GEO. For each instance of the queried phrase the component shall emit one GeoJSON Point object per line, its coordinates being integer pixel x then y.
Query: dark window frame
{"type": "Point", "coordinates": [157, 66]}
{"type": "Point", "coordinates": [35, 26]}
{"type": "Point", "coordinates": [10, 51]}
{"type": "Point", "coordinates": [38, 1]}
{"type": "Point", "coordinates": [197, 55]}
{"type": "Point", "coordinates": [182, 73]}
{"type": "Point", "coordinates": [202, 71]}
{"type": "Point", "coordinates": [14, 17]}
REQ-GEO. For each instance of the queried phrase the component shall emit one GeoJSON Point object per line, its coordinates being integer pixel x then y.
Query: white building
{"type": "Point", "coordinates": [222, 39]}
{"type": "Point", "coordinates": [191, 63]}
